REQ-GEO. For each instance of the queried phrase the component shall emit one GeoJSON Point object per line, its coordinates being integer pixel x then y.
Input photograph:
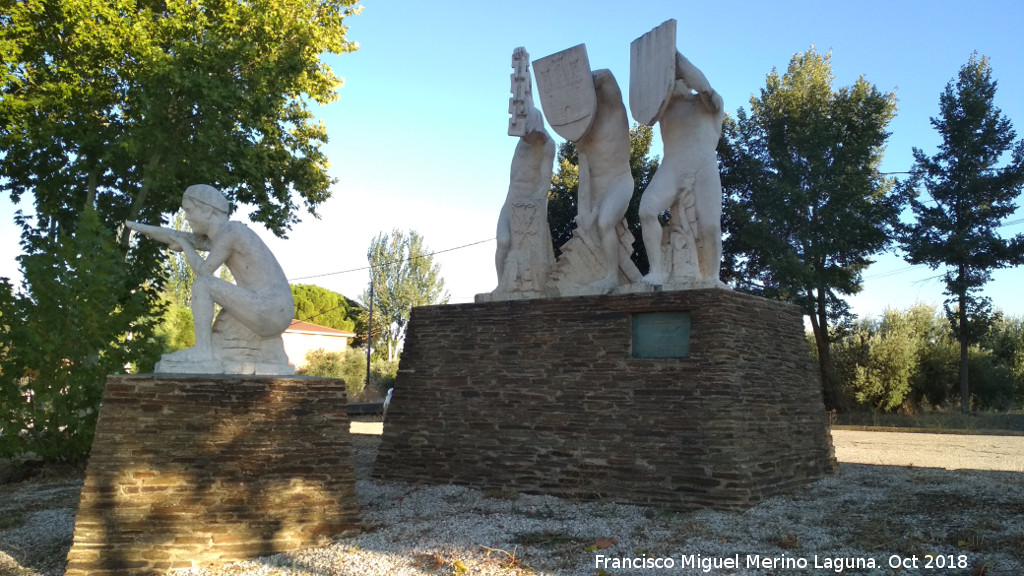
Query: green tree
{"type": "Point", "coordinates": [122, 104]}
{"type": "Point", "coordinates": [967, 196]}
{"type": "Point", "coordinates": [62, 342]}
{"type": "Point", "coordinates": [883, 381]}
{"type": "Point", "coordinates": [177, 329]}
{"type": "Point", "coordinates": [111, 109]}
{"type": "Point", "coordinates": [402, 275]}
{"type": "Point", "coordinates": [325, 307]}
{"type": "Point", "coordinates": [1006, 341]}
{"type": "Point", "coordinates": [805, 206]}
{"type": "Point", "coordinates": [562, 197]}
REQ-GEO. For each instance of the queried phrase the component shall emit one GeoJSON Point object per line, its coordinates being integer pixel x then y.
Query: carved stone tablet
{"type": "Point", "coordinates": [661, 335]}
{"type": "Point", "coordinates": [522, 93]}
{"type": "Point", "coordinates": [566, 91]}
{"type": "Point", "coordinates": [652, 72]}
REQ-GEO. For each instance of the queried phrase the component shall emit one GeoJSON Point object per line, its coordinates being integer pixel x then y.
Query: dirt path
{"type": "Point", "coordinates": [922, 450]}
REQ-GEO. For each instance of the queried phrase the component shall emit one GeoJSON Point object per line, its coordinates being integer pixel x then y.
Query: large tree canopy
{"type": "Point", "coordinates": [805, 205]}
{"type": "Point", "coordinates": [325, 307]}
{"type": "Point", "coordinates": [961, 195]}
{"type": "Point", "coordinates": [122, 104]}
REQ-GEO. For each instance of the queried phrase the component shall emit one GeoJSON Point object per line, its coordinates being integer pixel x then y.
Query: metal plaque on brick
{"type": "Point", "coordinates": [661, 335]}
{"type": "Point", "coordinates": [566, 90]}
{"type": "Point", "coordinates": [652, 73]}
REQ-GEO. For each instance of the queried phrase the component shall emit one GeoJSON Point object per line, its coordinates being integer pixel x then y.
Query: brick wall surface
{"type": "Point", "coordinates": [210, 469]}
{"type": "Point", "coordinates": [544, 396]}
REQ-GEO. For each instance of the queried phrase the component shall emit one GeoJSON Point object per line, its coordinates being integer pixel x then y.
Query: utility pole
{"type": "Point", "coordinates": [369, 329]}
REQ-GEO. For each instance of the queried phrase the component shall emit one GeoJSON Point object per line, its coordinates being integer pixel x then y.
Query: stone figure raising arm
{"type": "Point", "coordinates": [606, 182]}
{"type": "Point", "coordinates": [256, 309]}
{"type": "Point", "coordinates": [691, 125]}
{"type": "Point", "coordinates": [524, 256]}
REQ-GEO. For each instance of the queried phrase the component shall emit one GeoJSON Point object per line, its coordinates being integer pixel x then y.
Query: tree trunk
{"type": "Point", "coordinates": [965, 396]}
{"type": "Point", "coordinates": [819, 325]}
{"type": "Point", "coordinates": [139, 202]}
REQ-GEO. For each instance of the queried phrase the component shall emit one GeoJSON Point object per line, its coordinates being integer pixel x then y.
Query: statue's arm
{"type": "Point", "coordinates": [201, 243]}
{"type": "Point", "coordinates": [169, 236]}
{"type": "Point", "coordinates": [546, 168]}
{"type": "Point", "coordinates": [695, 79]}
{"type": "Point", "coordinates": [219, 251]}
{"type": "Point", "coordinates": [586, 213]}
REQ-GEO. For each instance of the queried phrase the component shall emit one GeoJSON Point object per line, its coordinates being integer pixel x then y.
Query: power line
{"type": "Point", "coordinates": [411, 258]}
{"type": "Point", "coordinates": [897, 271]}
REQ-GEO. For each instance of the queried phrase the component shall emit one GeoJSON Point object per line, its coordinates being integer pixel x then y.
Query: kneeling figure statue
{"type": "Point", "coordinates": [255, 310]}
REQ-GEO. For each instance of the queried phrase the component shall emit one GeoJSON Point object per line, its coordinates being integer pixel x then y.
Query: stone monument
{"type": "Point", "coordinates": [668, 89]}
{"type": "Point", "coordinates": [668, 390]}
{"type": "Point", "coordinates": [221, 455]}
{"type": "Point", "coordinates": [255, 310]}
{"type": "Point", "coordinates": [586, 107]}
{"type": "Point", "coordinates": [525, 257]}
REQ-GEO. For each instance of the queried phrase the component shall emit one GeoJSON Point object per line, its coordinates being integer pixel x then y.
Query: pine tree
{"type": "Point", "coordinates": [960, 196]}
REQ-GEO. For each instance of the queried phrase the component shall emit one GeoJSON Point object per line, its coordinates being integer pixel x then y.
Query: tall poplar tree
{"type": "Point", "coordinates": [403, 275]}
{"type": "Point", "coordinates": [805, 205]}
{"type": "Point", "coordinates": [960, 196]}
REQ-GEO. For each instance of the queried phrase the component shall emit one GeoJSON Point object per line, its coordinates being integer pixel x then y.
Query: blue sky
{"type": "Point", "coordinates": [418, 137]}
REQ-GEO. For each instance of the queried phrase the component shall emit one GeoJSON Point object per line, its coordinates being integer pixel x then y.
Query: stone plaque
{"type": "Point", "coordinates": [652, 72]}
{"type": "Point", "coordinates": [566, 91]}
{"type": "Point", "coordinates": [661, 335]}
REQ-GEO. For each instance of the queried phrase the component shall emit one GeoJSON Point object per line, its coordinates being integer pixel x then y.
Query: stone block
{"type": "Point", "coordinates": [212, 477]}
{"type": "Point", "coordinates": [547, 396]}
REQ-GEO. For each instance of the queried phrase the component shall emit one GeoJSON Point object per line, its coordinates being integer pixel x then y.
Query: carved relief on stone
{"type": "Point", "coordinates": [652, 73]}
{"type": "Point", "coordinates": [521, 102]}
{"type": "Point", "coordinates": [567, 91]}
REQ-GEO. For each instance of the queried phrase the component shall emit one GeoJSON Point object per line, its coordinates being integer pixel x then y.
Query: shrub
{"type": "Point", "coordinates": [383, 374]}
{"type": "Point", "coordinates": [349, 366]}
{"type": "Point", "coordinates": [882, 379]}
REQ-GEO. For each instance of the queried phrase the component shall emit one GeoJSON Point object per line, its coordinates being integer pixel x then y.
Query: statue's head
{"type": "Point", "coordinates": [534, 120]}
{"type": "Point", "coordinates": [205, 208]}
{"type": "Point", "coordinates": [208, 197]}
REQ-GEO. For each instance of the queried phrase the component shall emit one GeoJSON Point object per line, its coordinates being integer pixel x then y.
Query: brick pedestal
{"type": "Point", "coordinates": [548, 396]}
{"type": "Point", "coordinates": [195, 470]}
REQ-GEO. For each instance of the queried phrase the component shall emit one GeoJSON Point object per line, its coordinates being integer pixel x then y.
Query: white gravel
{"type": "Point", "coordinates": [971, 519]}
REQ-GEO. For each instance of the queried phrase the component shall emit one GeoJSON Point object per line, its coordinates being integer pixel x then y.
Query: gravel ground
{"type": "Point", "coordinates": [962, 522]}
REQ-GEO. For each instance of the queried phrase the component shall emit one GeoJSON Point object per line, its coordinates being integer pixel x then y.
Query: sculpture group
{"type": "Point", "coordinates": [586, 107]}
{"type": "Point", "coordinates": [581, 105]}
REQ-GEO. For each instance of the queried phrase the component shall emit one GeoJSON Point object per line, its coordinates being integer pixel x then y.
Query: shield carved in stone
{"type": "Point", "coordinates": [652, 73]}
{"type": "Point", "coordinates": [566, 91]}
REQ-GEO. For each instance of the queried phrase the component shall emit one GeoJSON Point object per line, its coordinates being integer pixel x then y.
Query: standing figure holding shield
{"type": "Point", "coordinates": [586, 107]}
{"type": "Point", "coordinates": [688, 181]}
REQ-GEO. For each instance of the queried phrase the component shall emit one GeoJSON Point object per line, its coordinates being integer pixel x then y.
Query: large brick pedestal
{"type": "Point", "coordinates": [195, 470]}
{"type": "Point", "coordinates": [547, 396]}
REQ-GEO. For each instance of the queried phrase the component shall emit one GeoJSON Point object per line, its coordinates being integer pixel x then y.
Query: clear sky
{"type": "Point", "coordinates": [418, 138]}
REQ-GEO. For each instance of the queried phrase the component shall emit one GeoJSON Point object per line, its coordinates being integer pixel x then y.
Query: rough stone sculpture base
{"type": "Point", "coordinates": [545, 396]}
{"type": "Point", "coordinates": [188, 471]}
